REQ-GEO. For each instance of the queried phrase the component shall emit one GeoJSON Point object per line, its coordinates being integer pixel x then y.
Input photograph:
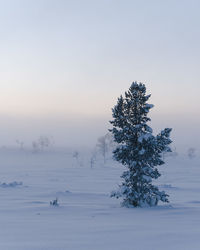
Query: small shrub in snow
{"type": "Point", "coordinates": [138, 149]}
{"type": "Point", "coordinates": [11, 184]}
{"type": "Point", "coordinates": [54, 203]}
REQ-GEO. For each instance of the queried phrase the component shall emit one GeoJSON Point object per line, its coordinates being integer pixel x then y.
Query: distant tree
{"type": "Point", "coordinates": [138, 149]}
{"type": "Point", "coordinates": [20, 144]}
{"type": "Point", "coordinates": [93, 158]}
{"type": "Point", "coordinates": [105, 144]}
{"type": "Point", "coordinates": [110, 142]}
{"type": "Point", "coordinates": [76, 155]}
{"type": "Point", "coordinates": [191, 153]}
{"type": "Point", "coordinates": [103, 147]}
{"type": "Point", "coordinates": [42, 143]}
{"type": "Point", "coordinates": [35, 147]}
{"type": "Point", "coordinates": [92, 161]}
{"type": "Point", "coordinates": [173, 153]}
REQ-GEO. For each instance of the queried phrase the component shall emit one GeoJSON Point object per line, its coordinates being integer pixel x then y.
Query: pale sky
{"type": "Point", "coordinates": [64, 63]}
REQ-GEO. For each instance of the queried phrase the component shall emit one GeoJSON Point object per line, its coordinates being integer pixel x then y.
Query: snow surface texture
{"type": "Point", "coordinates": [87, 218]}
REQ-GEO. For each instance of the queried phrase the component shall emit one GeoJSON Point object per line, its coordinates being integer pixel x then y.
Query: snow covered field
{"type": "Point", "coordinates": [87, 218]}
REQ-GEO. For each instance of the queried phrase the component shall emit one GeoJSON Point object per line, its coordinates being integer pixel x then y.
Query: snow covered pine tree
{"type": "Point", "coordinates": [138, 149]}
